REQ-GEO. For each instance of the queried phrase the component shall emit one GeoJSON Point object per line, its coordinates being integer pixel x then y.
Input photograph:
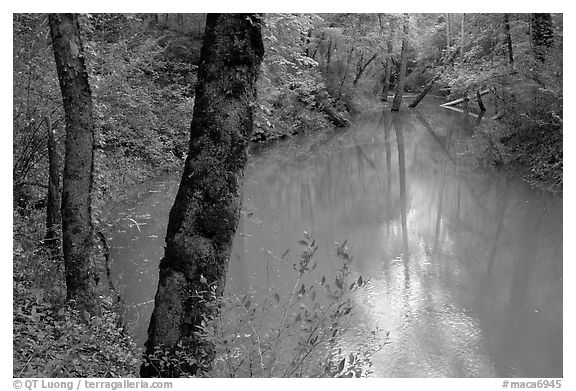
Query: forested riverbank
{"type": "Point", "coordinates": [318, 72]}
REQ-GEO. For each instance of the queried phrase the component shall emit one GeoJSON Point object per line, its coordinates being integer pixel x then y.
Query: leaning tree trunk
{"type": "Point", "coordinates": [479, 100]}
{"type": "Point", "coordinates": [424, 92]}
{"type": "Point", "coordinates": [78, 161]}
{"type": "Point", "coordinates": [53, 220]}
{"type": "Point", "coordinates": [361, 67]}
{"type": "Point", "coordinates": [206, 211]}
{"type": "Point", "coordinates": [402, 74]}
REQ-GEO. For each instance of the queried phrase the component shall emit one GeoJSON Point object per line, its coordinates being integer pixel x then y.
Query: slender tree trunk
{"type": "Point", "coordinates": [462, 39]}
{"type": "Point", "coordinates": [320, 40]}
{"type": "Point", "coordinates": [207, 207]}
{"type": "Point", "coordinates": [403, 63]}
{"type": "Point", "coordinates": [388, 71]}
{"type": "Point", "coordinates": [347, 67]}
{"type": "Point", "coordinates": [448, 31]}
{"type": "Point", "coordinates": [78, 163]}
{"type": "Point", "coordinates": [53, 219]}
{"type": "Point", "coordinates": [329, 53]}
{"type": "Point", "coordinates": [424, 92]}
{"type": "Point", "coordinates": [362, 67]}
{"type": "Point", "coordinates": [508, 38]}
{"type": "Point", "coordinates": [479, 100]}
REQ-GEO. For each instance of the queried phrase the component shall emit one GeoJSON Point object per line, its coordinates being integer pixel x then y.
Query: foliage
{"type": "Point", "coordinates": [143, 105]}
{"type": "Point", "coordinates": [51, 338]}
{"type": "Point", "coordinates": [293, 335]}
{"type": "Point", "coordinates": [289, 81]}
{"type": "Point", "coordinates": [36, 95]}
{"type": "Point", "coordinates": [528, 93]}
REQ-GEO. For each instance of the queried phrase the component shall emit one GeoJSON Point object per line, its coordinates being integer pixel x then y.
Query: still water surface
{"type": "Point", "coordinates": [465, 263]}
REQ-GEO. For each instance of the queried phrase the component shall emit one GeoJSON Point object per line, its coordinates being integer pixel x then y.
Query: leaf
{"type": "Point", "coordinates": [247, 304]}
{"type": "Point", "coordinates": [303, 243]}
{"type": "Point", "coordinates": [360, 282]}
{"type": "Point", "coordinates": [341, 365]}
{"type": "Point", "coordinates": [338, 282]}
{"type": "Point", "coordinates": [323, 280]}
{"type": "Point", "coordinates": [86, 315]}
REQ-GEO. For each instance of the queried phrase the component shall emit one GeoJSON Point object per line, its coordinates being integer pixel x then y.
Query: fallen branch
{"type": "Point", "coordinates": [465, 99]}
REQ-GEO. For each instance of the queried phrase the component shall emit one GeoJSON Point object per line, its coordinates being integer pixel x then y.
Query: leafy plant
{"type": "Point", "coordinates": [296, 334]}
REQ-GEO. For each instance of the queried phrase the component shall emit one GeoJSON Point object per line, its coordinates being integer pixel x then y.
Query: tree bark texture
{"type": "Point", "coordinates": [53, 220]}
{"type": "Point", "coordinates": [206, 211]}
{"type": "Point", "coordinates": [403, 63]}
{"type": "Point", "coordinates": [78, 161]}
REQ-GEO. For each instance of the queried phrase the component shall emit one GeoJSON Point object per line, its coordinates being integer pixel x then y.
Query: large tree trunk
{"type": "Point", "coordinates": [508, 38]}
{"type": "Point", "coordinates": [402, 74]}
{"type": "Point", "coordinates": [78, 161]}
{"type": "Point", "coordinates": [207, 207]}
{"type": "Point", "coordinates": [53, 220]}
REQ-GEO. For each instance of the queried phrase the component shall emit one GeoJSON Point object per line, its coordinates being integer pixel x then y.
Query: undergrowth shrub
{"type": "Point", "coordinates": [51, 337]}
{"type": "Point", "coordinates": [296, 334]}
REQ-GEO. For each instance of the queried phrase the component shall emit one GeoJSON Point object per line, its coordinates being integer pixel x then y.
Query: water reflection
{"type": "Point", "coordinates": [465, 263]}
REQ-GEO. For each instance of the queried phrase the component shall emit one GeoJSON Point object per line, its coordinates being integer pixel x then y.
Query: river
{"type": "Point", "coordinates": [464, 261]}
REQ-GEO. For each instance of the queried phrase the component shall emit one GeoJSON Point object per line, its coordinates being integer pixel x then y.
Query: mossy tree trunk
{"type": "Point", "coordinates": [206, 211]}
{"type": "Point", "coordinates": [78, 161]}
{"type": "Point", "coordinates": [397, 102]}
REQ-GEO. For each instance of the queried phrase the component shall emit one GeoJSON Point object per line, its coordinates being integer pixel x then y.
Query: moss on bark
{"type": "Point", "coordinates": [207, 207]}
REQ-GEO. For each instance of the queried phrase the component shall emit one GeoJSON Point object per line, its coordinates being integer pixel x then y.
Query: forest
{"type": "Point", "coordinates": [107, 105]}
